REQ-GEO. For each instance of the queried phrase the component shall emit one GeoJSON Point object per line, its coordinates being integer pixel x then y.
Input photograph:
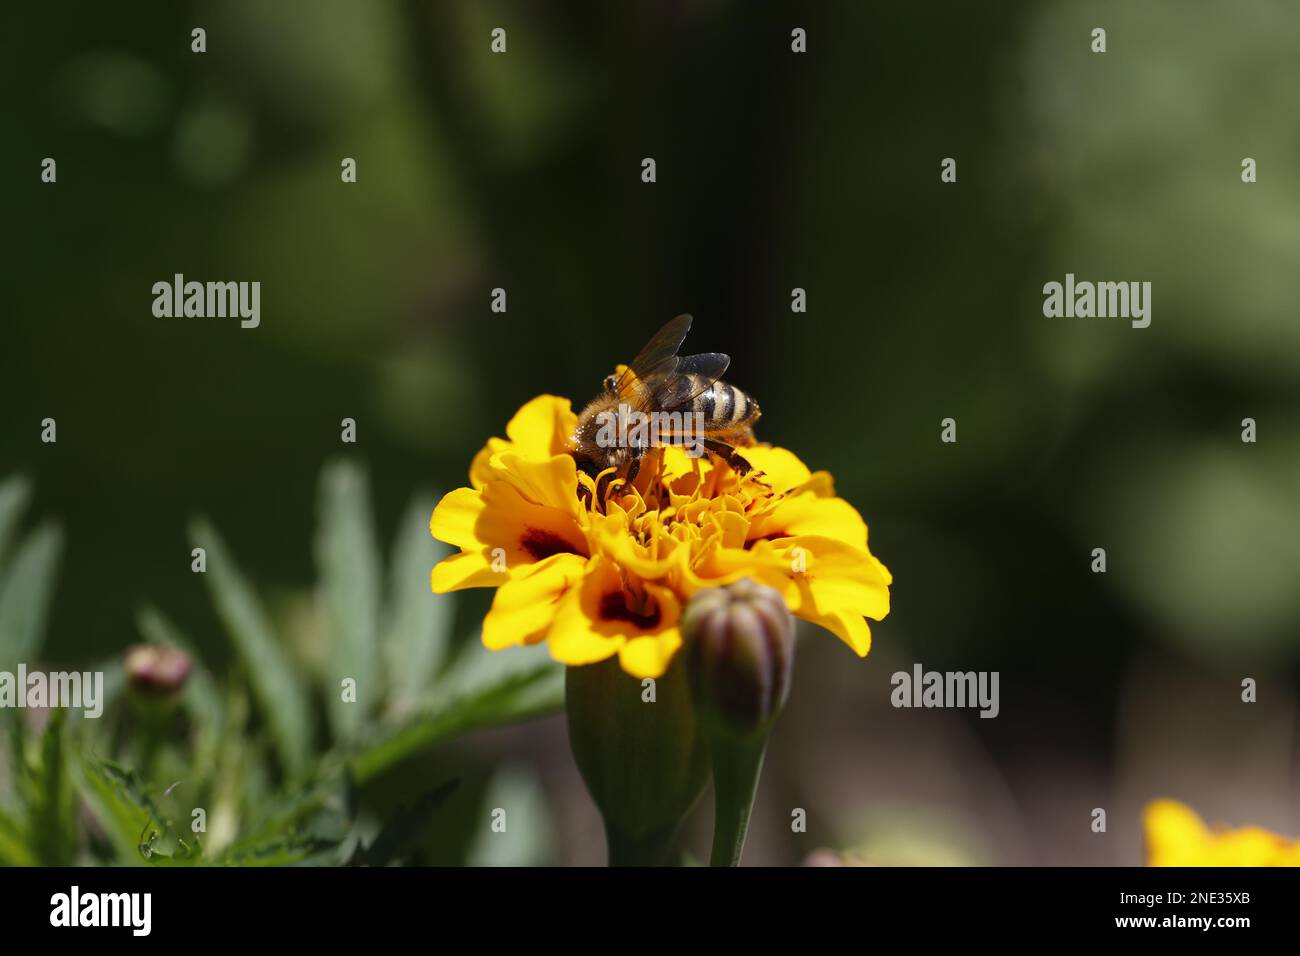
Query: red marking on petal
{"type": "Point", "coordinates": [613, 607]}
{"type": "Point", "coordinates": [542, 544]}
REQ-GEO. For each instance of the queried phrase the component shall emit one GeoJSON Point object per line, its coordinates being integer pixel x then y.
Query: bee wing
{"type": "Point", "coordinates": [657, 360]}
{"type": "Point", "coordinates": [692, 375]}
{"type": "Point", "coordinates": [709, 366]}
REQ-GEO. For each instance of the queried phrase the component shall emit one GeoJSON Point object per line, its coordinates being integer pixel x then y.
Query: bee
{"type": "Point", "coordinates": [659, 380]}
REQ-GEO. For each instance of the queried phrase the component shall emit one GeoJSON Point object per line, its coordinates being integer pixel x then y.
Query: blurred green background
{"type": "Point", "coordinates": [775, 170]}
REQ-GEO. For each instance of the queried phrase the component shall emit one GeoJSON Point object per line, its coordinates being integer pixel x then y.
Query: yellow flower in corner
{"type": "Point", "coordinates": [1176, 836]}
{"type": "Point", "coordinates": [598, 567]}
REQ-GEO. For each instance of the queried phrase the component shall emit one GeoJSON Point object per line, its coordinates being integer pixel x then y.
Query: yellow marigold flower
{"type": "Point", "coordinates": [1176, 836]}
{"type": "Point", "coordinates": [598, 568]}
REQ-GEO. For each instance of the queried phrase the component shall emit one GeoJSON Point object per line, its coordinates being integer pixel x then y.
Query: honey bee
{"type": "Point", "coordinates": [704, 412]}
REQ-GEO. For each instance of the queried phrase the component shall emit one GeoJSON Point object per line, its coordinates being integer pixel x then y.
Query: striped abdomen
{"type": "Point", "coordinates": [726, 409]}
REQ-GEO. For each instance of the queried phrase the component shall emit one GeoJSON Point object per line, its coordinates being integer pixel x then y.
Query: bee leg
{"type": "Point", "coordinates": [652, 488]}
{"type": "Point", "coordinates": [729, 455]}
{"type": "Point", "coordinates": [621, 483]}
{"type": "Point", "coordinates": [604, 487]}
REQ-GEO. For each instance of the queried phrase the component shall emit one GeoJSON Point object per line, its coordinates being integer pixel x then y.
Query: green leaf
{"type": "Point", "coordinates": [15, 492]}
{"type": "Point", "coordinates": [51, 810]}
{"type": "Point", "coordinates": [16, 738]}
{"type": "Point", "coordinates": [405, 829]}
{"type": "Point", "coordinates": [281, 852]}
{"type": "Point", "coordinates": [123, 806]}
{"type": "Point", "coordinates": [417, 628]}
{"type": "Point", "coordinates": [526, 837]}
{"type": "Point", "coordinates": [114, 686]}
{"type": "Point", "coordinates": [521, 694]}
{"type": "Point", "coordinates": [281, 696]}
{"type": "Point", "coordinates": [348, 563]}
{"type": "Point", "coordinates": [477, 669]}
{"type": "Point", "coordinates": [293, 815]}
{"type": "Point", "coordinates": [14, 850]}
{"type": "Point", "coordinates": [25, 593]}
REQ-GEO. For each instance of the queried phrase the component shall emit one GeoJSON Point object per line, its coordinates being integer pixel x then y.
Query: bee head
{"type": "Point", "coordinates": [592, 460]}
{"type": "Point", "coordinates": [589, 465]}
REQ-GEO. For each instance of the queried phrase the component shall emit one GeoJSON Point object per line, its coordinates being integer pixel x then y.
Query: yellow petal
{"type": "Point", "coordinates": [678, 463]}
{"type": "Point", "coordinates": [849, 627]}
{"type": "Point", "coordinates": [594, 622]}
{"type": "Point", "coordinates": [499, 533]}
{"type": "Point", "coordinates": [733, 528]}
{"type": "Point", "coordinates": [838, 576]}
{"type": "Point", "coordinates": [478, 468]}
{"type": "Point", "coordinates": [543, 427]}
{"type": "Point", "coordinates": [526, 531]}
{"type": "Point", "coordinates": [539, 430]}
{"type": "Point", "coordinates": [468, 569]}
{"type": "Point", "coordinates": [611, 537]}
{"type": "Point", "coordinates": [551, 481]}
{"type": "Point", "coordinates": [1176, 836]}
{"type": "Point", "coordinates": [524, 607]}
{"type": "Point", "coordinates": [715, 566]}
{"type": "Point", "coordinates": [807, 513]}
{"type": "Point", "coordinates": [650, 655]}
{"type": "Point", "coordinates": [572, 639]}
{"type": "Point", "coordinates": [456, 518]}
{"type": "Point", "coordinates": [781, 467]}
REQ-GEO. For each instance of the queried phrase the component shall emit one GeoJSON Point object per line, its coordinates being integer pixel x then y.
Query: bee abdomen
{"type": "Point", "coordinates": [725, 406]}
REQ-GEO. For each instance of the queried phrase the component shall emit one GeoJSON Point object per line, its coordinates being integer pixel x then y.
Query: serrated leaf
{"type": "Point", "coordinates": [123, 806]}
{"type": "Point", "coordinates": [15, 493]}
{"type": "Point", "coordinates": [280, 695]}
{"type": "Point", "coordinates": [348, 565]}
{"type": "Point", "coordinates": [519, 696]}
{"type": "Point", "coordinates": [417, 630]}
{"type": "Point", "coordinates": [283, 852]}
{"type": "Point", "coordinates": [25, 593]}
{"type": "Point", "coordinates": [293, 815]}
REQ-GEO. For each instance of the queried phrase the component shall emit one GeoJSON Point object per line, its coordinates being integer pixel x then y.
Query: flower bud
{"type": "Point", "coordinates": [740, 644]}
{"type": "Point", "coordinates": [157, 670]}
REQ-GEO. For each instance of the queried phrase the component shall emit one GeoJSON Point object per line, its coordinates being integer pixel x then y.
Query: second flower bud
{"type": "Point", "coordinates": [740, 644]}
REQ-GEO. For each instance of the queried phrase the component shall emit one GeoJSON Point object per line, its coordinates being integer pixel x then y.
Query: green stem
{"type": "Point", "coordinates": [152, 730]}
{"type": "Point", "coordinates": [651, 849]}
{"type": "Point", "coordinates": [737, 765]}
